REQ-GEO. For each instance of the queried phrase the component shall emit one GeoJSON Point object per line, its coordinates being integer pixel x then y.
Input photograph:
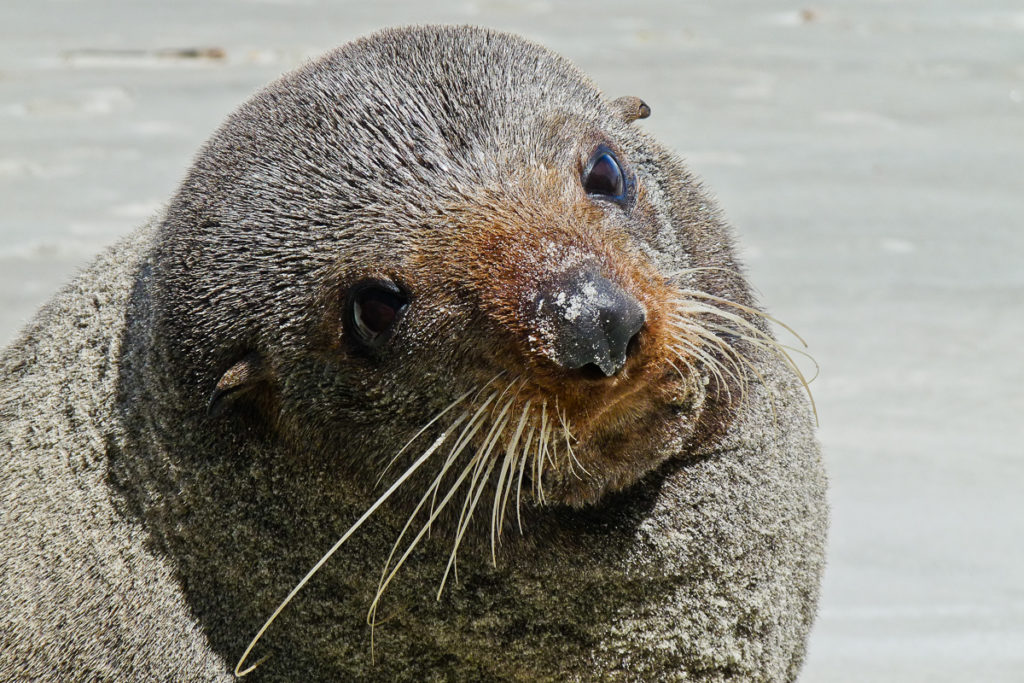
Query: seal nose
{"type": "Point", "coordinates": [591, 321]}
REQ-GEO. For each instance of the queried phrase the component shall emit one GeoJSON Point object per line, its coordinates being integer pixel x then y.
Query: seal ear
{"type": "Point", "coordinates": [631, 108]}
{"type": "Point", "coordinates": [239, 379]}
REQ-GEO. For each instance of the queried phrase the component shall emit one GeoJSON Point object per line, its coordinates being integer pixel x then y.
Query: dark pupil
{"type": "Point", "coordinates": [605, 177]}
{"type": "Point", "coordinates": [375, 311]}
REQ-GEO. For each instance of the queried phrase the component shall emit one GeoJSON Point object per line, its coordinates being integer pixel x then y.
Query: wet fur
{"type": "Point", "coordinates": [143, 536]}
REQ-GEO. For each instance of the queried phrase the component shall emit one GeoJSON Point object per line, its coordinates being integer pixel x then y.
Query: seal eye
{"type": "Point", "coordinates": [603, 176]}
{"type": "Point", "coordinates": [374, 307]}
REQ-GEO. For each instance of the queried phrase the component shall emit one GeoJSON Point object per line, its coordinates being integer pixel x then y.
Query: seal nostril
{"type": "Point", "coordinates": [633, 347]}
{"type": "Point", "coordinates": [592, 372]}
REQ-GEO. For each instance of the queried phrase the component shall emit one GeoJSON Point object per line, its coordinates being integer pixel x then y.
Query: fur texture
{"type": "Point", "coordinates": [143, 536]}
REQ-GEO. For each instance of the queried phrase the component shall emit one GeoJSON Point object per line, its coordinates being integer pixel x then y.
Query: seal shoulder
{"type": "Point", "coordinates": [83, 593]}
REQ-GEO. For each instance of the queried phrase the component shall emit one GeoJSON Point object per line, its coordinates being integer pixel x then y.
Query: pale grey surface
{"type": "Point", "coordinates": [870, 154]}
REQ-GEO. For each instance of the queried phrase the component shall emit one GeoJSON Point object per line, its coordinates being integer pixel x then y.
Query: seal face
{"type": "Point", "coordinates": [496, 218]}
{"type": "Point", "coordinates": [435, 289]}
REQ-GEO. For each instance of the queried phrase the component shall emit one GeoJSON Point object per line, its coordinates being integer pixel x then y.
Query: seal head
{"type": "Point", "coordinates": [381, 232]}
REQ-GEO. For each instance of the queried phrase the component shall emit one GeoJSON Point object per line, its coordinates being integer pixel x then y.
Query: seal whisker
{"type": "Point", "coordinates": [517, 381]}
{"type": "Point", "coordinates": [568, 446]}
{"type": "Point", "coordinates": [551, 444]}
{"type": "Point", "coordinates": [423, 530]}
{"type": "Point", "coordinates": [545, 456]}
{"type": "Point", "coordinates": [239, 671]}
{"type": "Point", "coordinates": [515, 454]}
{"type": "Point", "coordinates": [433, 486]}
{"type": "Point", "coordinates": [680, 354]}
{"type": "Point", "coordinates": [743, 329]}
{"type": "Point", "coordinates": [475, 423]}
{"type": "Point", "coordinates": [754, 332]}
{"type": "Point", "coordinates": [733, 353]}
{"type": "Point", "coordinates": [371, 616]}
{"type": "Point", "coordinates": [522, 470]}
{"type": "Point", "coordinates": [423, 429]}
{"type": "Point", "coordinates": [713, 365]}
{"type": "Point", "coordinates": [480, 464]}
{"type": "Point", "coordinates": [730, 354]}
{"type": "Point", "coordinates": [468, 432]}
{"type": "Point", "coordinates": [479, 488]}
{"type": "Point", "coordinates": [751, 333]}
{"type": "Point", "coordinates": [767, 343]}
{"type": "Point", "coordinates": [677, 275]}
{"type": "Point", "coordinates": [538, 458]}
{"type": "Point", "coordinates": [509, 485]}
{"type": "Point", "coordinates": [746, 309]}
{"type": "Point", "coordinates": [502, 490]}
{"type": "Point", "coordinates": [519, 455]}
{"type": "Point", "coordinates": [674, 366]}
{"type": "Point", "coordinates": [489, 441]}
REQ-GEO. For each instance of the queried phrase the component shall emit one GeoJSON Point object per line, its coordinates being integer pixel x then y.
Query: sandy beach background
{"type": "Point", "coordinates": [870, 154]}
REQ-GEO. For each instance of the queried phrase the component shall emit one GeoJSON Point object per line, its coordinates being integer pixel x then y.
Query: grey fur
{"type": "Point", "coordinates": [143, 538]}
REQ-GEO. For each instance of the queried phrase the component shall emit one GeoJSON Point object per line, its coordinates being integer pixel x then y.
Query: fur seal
{"type": "Point", "coordinates": [432, 348]}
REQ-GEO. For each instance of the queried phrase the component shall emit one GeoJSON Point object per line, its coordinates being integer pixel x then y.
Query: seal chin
{"type": "Point", "coordinates": [625, 451]}
{"type": "Point", "coordinates": [572, 443]}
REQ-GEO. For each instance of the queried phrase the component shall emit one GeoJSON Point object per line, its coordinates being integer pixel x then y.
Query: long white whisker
{"type": "Point", "coordinates": [759, 338]}
{"type": "Point", "coordinates": [728, 352]}
{"type": "Point", "coordinates": [772, 344]}
{"type": "Point", "coordinates": [568, 446]}
{"type": "Point", "coordinates": [239, 671]}
{"type": "Point", "coordinates": [501, 492]}
{"type": "Point", "coordinates": [537, 464]}
{"type": "Point", "coordinates": [468, 515]}
{"type": "Point", "coordinates": [464, 439]}
{"type": "Point", "coordinates": [472, 427]}
{"type": "Point", "coordinates": [462, 531]}
{"type": "Point", "coordinates": [746, 309]}
{"type": "Point", "coordinates": [417, 434]}
{"type": "Point", "coordinates": [436, 482]}
{"type": "Point", "coordinates": [489, 440]}
{"type": "Point", "coordinates": [412, 545]}
{"type": "Point", "coordinates": [686, 363]}
{"type": "Point", "coordinates": [712, 364]}
{"type": "Point", "coordinates": [522, 470]}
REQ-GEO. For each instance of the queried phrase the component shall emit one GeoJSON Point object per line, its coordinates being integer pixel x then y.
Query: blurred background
{"type": "Point", "coordinates": [869, 153]}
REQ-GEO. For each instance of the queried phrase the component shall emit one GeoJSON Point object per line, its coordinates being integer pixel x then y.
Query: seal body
{"type": "Point", "coordinates": [435, 296]}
